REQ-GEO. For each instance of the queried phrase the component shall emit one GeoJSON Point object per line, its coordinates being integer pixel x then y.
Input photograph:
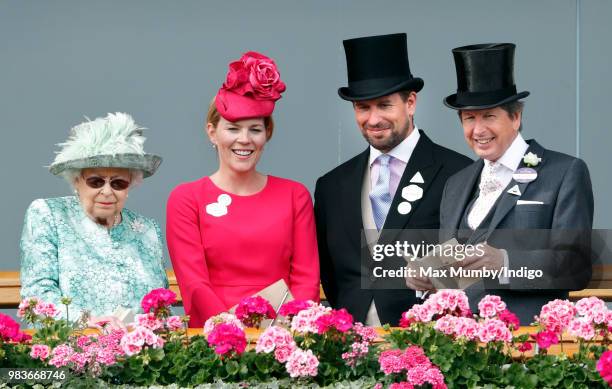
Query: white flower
{"type": "Point", "coordinates": [531, 159]}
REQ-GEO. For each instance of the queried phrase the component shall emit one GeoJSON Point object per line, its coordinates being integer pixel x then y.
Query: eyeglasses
{"type": "Point", "coordinates": [99, 182]}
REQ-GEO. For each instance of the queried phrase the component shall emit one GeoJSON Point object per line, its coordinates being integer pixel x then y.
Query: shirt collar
{"type": "Point", "coordinates": [513, 156]}
{"type": "Point", "coordinates": [403, 151]}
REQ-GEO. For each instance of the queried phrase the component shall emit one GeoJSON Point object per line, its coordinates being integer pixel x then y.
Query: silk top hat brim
{"type": "Point", "coordinates": [378, 88]}
{"type": "Point", "coordinates": [377, 66]}
{"type": "Point", "coordinates": [451, 101]}
{"type": "Point", "coordinates": [147, 163]}
{"type": "Point", "coordinates": [485, 76]}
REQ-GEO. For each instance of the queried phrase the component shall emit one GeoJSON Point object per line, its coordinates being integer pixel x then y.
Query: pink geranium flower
{"type": "Point", "coordinates": [545, 339]}
{"type": "Point", "coordinates": [414, 365]}
{"type": "Point", "coordinates": [305, 321]}
{"type": "Point", "coordinates": [604, 366]}
{"type": "Point", "coordinates": [221, 318]}
{"type": "Point", "coordinates": [148, 320]}
{"type": "Point", "coordinates": [294, 307]}
{"type": "Point", "coordinates": [26, 304]}
{"type": "Point", "coordinates": [158, 299]}
{"type": "Point", "coordinates": [60, 356]}
{"type": "Point", "coordinates": [46, 309]}
{"type": "Point", "coordinates": [490, 306]}
{"type": "Point", "coordinates": [40, 351]}
{"type": "Point", "coordinates": [174, 323]}
{"type": "Point", "coordinates": [252, 310]}
{"type": "Point", "coordinates": [524, 347]}
{"type": "Point", "coordinates": [444, 302]}
{"type": "Point", "coordinates": [276, 339]}
{"type": "Point", "coordinates": [582, 328]}
{"type": "Point", "coordinates": [9, 330]}
{"type": "Point", "coordinates": [557, 315]}
{"type": "Point", "coordinates": [494, 330]}
{"type": "Point", "coordinates": [302, 364]}
{"type": "Point", "coordinates": [133, 342]}
{"type": "Point", "coordinates": [227, 339]}
{"type": "Point", "coordinates": [510, 319]}
{"type": "Point", "coordinates": [340, 320]}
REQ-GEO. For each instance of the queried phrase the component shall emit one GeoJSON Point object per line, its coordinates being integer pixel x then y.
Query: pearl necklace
{"type": "Point", "coordinates": [116, 220]}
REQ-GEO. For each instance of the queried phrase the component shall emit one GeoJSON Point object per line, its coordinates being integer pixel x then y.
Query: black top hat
{"type": "Point", "coordinates": [377, 66]}
{"type": "Point", "coordinates": [485, 76]}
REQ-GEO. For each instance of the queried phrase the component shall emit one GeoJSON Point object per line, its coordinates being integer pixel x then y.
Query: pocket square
{"type": "Point", "coordinates": [529, 202]}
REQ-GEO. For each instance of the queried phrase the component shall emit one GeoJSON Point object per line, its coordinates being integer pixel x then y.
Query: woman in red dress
{"type": "Point", "coordinates": [238, 231]}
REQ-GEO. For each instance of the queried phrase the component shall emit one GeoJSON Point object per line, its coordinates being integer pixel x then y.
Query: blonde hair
{"type": "Point", "coordinates": [213, 116]}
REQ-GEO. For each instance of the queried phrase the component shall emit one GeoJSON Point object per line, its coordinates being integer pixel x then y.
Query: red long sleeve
{"type": "Point", "coordinates": [187, 255]}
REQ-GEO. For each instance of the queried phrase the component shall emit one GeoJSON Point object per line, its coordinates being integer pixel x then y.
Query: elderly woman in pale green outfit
{"type": "Point", "coordinates": [88, 246]}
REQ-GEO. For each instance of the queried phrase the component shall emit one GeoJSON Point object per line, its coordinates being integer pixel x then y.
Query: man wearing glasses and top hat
{"type": "Point", "coordinates": [517, 192]}
{"type": "Point", "coordinates": [396, 183]}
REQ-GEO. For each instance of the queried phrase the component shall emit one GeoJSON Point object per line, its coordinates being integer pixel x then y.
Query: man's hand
{"type": "Point", "coordinates": [419, 283]}
{"type": "Point", "coordinates": [491, 258]}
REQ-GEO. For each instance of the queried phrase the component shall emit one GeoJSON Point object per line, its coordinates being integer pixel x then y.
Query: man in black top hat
{"type": "Point", "coordinates": [535, 202]}
{"type": "Point", "coordinates": [396, 183]}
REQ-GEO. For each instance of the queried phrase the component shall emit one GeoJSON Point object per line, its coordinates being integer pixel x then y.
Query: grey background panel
{"type": "Point", "coordinates": [163, 61]}
{"type": "Point", "coordinates": [595, 131]}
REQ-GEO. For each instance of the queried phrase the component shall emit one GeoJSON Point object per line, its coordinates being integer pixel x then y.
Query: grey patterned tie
{"type": "Point", "coordinates": [380, 196]}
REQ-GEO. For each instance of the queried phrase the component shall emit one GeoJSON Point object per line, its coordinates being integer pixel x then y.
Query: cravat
{"type": "Point", "coordinates": [489, 190]}
{"type": "Point", "coordinates": [380, 196]}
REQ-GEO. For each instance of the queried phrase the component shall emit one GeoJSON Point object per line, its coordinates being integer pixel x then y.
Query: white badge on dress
{"type": "Point", "coordinates": [219, 208]}
{"type": "Point", "coordinates": [515, 190]}
{"type": "Point", "coordinates": [525, 174]}
{"type": "Point", "coordinates": [417, 179]}
{"type": "Point", "coordinates": [404, 208]}
{"type": "Point", "coordinates": [412, 192]}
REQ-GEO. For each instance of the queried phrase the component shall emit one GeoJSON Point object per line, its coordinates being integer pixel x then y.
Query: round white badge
{"type": "Point", "coordinates": [224, 199]}
{"type": "Point", "coordinates": [412, 192]}
{"type": "Point", "coordinates": [525, 174]}
{"type": "Point", "coordinates": [404, 208]}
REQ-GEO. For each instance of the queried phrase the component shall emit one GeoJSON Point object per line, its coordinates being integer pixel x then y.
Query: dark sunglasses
{"type": "Point", "coordinates": [99, 182]}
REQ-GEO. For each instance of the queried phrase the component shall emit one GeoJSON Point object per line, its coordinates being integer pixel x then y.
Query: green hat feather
{"type": "Point", "coordinates": [113, 141]}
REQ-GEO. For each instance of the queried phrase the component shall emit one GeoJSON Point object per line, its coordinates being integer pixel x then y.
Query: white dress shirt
{"type": "Point", "coordinates": [509, 162]}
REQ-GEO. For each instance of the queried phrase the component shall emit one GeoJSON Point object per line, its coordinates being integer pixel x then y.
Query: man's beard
{"type": "Point", "coordinates": [387, 144]}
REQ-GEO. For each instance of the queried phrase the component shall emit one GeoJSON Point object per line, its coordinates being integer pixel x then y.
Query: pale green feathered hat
{"type": "Point", "coordinates": [112, 141]}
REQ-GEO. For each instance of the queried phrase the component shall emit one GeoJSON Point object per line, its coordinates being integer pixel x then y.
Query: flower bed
{"type": "Point", "coordinates": [441, 345]}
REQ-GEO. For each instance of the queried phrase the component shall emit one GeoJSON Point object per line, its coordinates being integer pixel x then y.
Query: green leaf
{"type": "Point", "coordinates": [232, 368]}
{"type": "Point", "coordinates": [263, 364]}
{"type": "Point", "coordinates": [552, 376]}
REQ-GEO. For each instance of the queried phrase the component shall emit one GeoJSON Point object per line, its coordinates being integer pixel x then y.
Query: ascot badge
{"type": "Point", "coordinates": [527, 174]}
{"type": "Point", "coordinates": [411, 193]}
{"type": "Point", "coordinates": [219, 208]}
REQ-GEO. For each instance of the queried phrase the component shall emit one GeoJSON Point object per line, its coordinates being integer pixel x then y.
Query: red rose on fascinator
{"type": "Point", "coordinates": [256, 75]}
{"type": "Point", "coordinates": [250, 89]}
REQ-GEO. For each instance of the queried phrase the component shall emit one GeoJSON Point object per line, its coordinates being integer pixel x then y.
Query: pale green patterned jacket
{"type": "Point", "coordinates": [65, 253]}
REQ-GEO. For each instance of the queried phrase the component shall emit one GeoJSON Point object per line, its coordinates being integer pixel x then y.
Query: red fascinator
{"type": "Point", "coordinates": [252, 86]}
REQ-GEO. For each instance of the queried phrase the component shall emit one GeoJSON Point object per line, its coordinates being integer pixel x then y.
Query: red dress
{"type": "Point", "coordinates": [221, 253]}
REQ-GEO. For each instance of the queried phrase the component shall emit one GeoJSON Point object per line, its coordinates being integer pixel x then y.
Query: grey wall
{"type": "Point", "coordinates": [163, 61]}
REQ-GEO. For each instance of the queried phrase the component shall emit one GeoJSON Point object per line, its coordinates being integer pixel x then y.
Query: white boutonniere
{"type": "Point", "coordinates": [531, 159]}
